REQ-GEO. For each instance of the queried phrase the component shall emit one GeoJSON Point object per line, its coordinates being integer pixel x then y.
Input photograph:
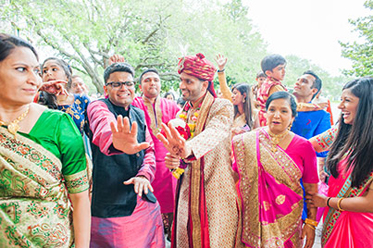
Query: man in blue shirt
{"type": "Point", "coordinates": [311, 122]}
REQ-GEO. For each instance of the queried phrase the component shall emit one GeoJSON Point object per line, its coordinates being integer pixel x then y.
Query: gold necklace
{"type": "Point", "coordinates": [13, 126]}
{"type": "Point", "coordinates": [276, 138]}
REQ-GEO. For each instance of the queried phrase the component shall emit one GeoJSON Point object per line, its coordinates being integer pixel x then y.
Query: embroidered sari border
{"type": "Point", "coordinates": [27, 153]}
{"type": "Point", "coordinates": [333, 214]}
{"type": "Point", "coordinates": [77, 183]}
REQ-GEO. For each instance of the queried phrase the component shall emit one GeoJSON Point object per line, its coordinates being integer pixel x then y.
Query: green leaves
{"type": "Point", "coordinates": [361, 53]}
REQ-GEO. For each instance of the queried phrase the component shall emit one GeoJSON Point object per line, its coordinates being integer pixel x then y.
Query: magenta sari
{"type": "Point", "coordinates": [347, 229]}
{"type": "Point", "coordinates": [270, 191]}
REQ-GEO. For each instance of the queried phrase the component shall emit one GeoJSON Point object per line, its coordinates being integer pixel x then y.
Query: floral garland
{"type": "Point", "coordinates": [194, 118]}
{"type": "Point", "coordinates": [187, 132]}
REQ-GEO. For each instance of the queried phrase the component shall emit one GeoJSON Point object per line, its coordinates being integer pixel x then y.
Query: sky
{"type": "Point", "coordinates": [309, 29]}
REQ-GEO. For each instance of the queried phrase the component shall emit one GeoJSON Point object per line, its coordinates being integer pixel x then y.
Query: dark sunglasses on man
{"type": "Point", "coordinates": [119, 84]}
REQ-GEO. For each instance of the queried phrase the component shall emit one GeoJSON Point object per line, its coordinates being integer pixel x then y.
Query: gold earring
{"type": "Point", "coordinates": [289, 127]}
{"type": "Point", "coordinates": [243, 100]}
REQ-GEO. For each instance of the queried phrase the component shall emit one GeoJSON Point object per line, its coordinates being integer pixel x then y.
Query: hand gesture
{"type": "Point", "coordinates": [174, 143]}
{"type": "Point", "coordinates": [116, 58]}
{"type": "Point", "coordinates": [308, 233]}
{"type": "Point", "coordinates": [316, 200]}
{"type": "Point", "coordinates": [125, 139]}
{"type": "Point", "coordinates": [171, 161]}
{"type": "Point", "coordinates": [56, 87]}
{"type": "Point", "coordinates": [141, 184]}
{"type": "Point", "coordinates": [221, 61]}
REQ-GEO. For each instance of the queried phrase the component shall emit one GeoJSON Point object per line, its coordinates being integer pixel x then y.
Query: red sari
{"type": "Point", "coordinates": [347, 229]}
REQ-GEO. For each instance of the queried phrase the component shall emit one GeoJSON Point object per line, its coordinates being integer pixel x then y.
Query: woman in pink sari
{"type": "Point", "coordinates": [348, 220]}
{"type": "Point", "coordinates": [271, 161]}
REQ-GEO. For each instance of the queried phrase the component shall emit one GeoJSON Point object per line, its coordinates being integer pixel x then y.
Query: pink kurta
{"type": "Point", "coordinates": [164, 184]}
{"type": "Point", "coordinates": [144, 227]}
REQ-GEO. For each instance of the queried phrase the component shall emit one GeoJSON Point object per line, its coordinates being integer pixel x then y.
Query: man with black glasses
{"type": "Point", "coordinates": [125, 212]}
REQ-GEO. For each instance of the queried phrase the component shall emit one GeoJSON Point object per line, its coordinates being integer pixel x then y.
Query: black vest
{"type": "Point", "coordinates": [110, 197]}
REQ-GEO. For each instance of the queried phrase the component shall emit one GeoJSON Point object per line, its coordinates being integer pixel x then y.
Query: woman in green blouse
{"type": "Point", "coordinates": [42, 161]}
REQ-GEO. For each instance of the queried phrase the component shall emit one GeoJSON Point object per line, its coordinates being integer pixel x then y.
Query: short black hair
{"type": "Point", "coordinates": [260, 74]}
{"type": "Point", "coordinates": [124, 67]}
{"type": "Point", "coordinates": [317, 84]}
{"type": "Point", "coordinates": [168, 94]}
{"type": "Point", "coordinates": [146, 71]}
{"type": "Point", "coordinates": [272, 61]}
{"type": "Point", "coordinates": [283, 95]}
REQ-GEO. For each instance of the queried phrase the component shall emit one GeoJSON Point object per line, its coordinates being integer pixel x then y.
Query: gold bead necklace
{"type": "Point", "coordinates": [276, 139]}
{"type": "Point", "coordinates": [13, 126]}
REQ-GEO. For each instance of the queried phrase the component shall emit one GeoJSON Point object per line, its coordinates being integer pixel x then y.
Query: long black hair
{"type": "Point", "coordinates": [356, 140]}
{"type": "Point", "coordinates": [50, 100]}
{"type": "Point", "coordinates": [244, 89]}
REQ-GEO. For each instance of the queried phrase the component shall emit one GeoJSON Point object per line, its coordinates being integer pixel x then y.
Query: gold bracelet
{"type": "Point", "coordinates": [312, 227]}
{"type": "Point", "coordinates": [339, 204]}
{"type": "Point", "coordinates": [311, 222]}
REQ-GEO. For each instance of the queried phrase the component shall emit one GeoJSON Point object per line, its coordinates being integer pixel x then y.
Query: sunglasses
{"type": "Point", "coordinates": [119, 84]}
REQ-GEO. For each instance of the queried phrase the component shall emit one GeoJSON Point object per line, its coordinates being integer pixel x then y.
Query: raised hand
{"type": "Point", "coordinates": [173, 142]}
{"type": "Point", "coordinates": [116, 58]}
{"type": "Point", "coordinates": [56, 87]}
{"type": "Point", "coordinates": [125, 138]}
{"type": "Point", "coordinates": [221, 61]}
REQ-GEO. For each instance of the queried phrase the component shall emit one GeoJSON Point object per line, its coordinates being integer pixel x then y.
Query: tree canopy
{"type": "Point", "coordinates": [361, 53]}
{"type": "Point", "coordinates": [155, 33]}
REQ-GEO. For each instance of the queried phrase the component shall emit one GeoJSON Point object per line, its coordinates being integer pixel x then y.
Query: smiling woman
{"type": "Point", "coordinates": [349, 206]}
{"type": "Point", "coordinates": [273, 160]}
{"type": "Point", "coordinates": [39, 166]}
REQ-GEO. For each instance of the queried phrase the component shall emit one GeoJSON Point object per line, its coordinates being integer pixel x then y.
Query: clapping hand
{"type": "Point", "coordinates": [125, 138]}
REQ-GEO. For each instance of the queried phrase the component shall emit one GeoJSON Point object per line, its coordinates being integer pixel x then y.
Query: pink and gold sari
{"type": "Point", "coordinates": [347, 229]}
{"type": "Point", "coordinates": [270, 192]}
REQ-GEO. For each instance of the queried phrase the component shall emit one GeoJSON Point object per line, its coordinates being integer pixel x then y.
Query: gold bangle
{"type": "Point", "coordinates": [312, 227]}
{"type": "Point", "coordinates": [339, 204]}
{"type": "Point", "coordinates": [311, 222]}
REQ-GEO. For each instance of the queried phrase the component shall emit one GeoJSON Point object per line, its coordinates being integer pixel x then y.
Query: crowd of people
{"type": "Point", "coordinates": [244, 168]}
